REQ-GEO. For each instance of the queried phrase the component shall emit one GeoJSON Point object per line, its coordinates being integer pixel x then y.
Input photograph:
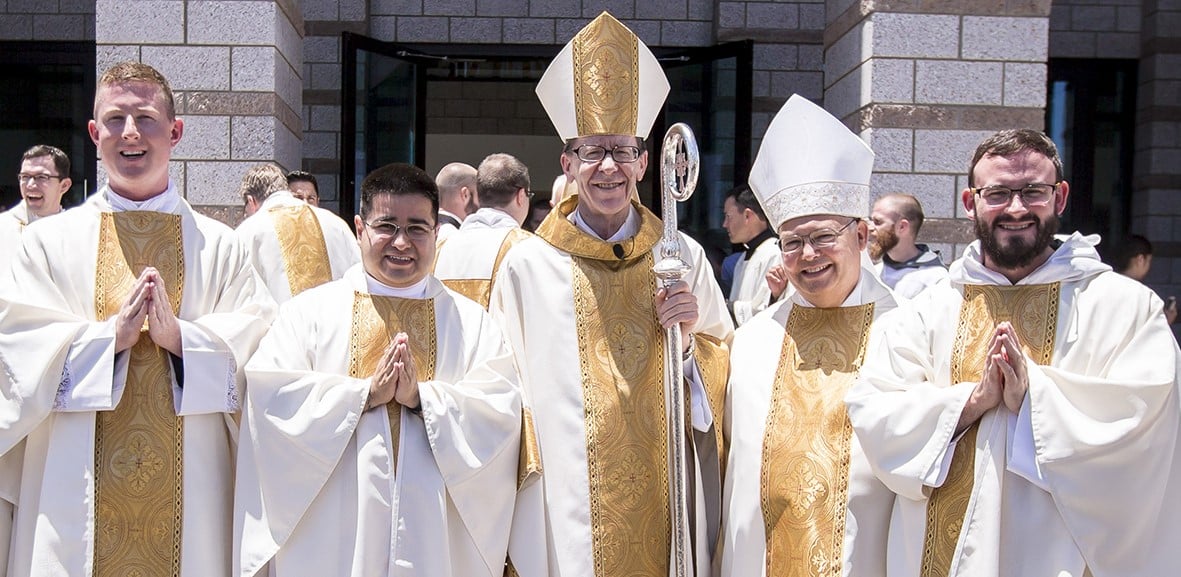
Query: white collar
{"type": "Point", "coordinates": [167, 201]}
{"type": "Point", "coordinates": [489, 217]}
{"type": "Point", "coordinates": [378, 288]}
{"type": "Point", "coordinates": [630, 227]}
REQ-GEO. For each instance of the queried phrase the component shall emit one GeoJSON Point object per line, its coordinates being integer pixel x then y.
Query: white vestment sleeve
{"type": "Point", "coordinates": [903, 419]}
{"type": "Point", "coordinates": [90, 380]}
{"type": "Point", "coordinates": [1022, 455]}
{"type": "Point", "coordinates": [703, 416]}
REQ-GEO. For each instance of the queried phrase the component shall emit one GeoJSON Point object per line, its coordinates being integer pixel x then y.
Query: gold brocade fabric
{"type": "Point", "coordinates": [376, 320]}
{"type": "Point", "coordinates": [713, 364]}
{"type": "Point", "coordinates": [606, 78]}
{"type": "Point", "coordinates": [301, 242]}
{"type": "Point", "coordinates": [529, 461]}
{"type": "Point", "coordinates": [557, 230]}
{"type": "Point", "coordinates": [478, 289]}
{"type": "Point", "coordinates": [1033, 312]}
{"type": "Point", "coordinates": [139, 446]}
{"type": "Point", "coordinates": [621, 356]}
{"type": "Point", "coordinates": [805, 470]}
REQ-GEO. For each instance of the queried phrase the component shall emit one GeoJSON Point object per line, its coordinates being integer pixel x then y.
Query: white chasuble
{"type": "Point", "coordinates": [801, 499]}
{"type": "Point", "coordinates": [295, 246]}
{"type": "Point", "coordinates": [579, 313]}
{"type": "Point", "coordinates": [81, 405]}
{"type": "Point", "coordinates": [1083, 480]}
{"type": "Point", "coordinates": [329, 488]}
{"type": "Point", "coordinates": [468, 260]}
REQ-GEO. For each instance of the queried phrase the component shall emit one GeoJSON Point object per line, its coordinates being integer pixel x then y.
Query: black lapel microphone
{"type": "Point", "coordinates": [618, 250]}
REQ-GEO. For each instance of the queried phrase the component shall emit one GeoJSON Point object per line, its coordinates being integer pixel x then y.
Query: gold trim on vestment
{"type": "Point", "coordinates": [804, 480]}
{"type": "Point", "coordinates": [713, 364]}
{"type": "Point", "coordinates": [606, 58]}
{"type": "Point", "coordinates": [301, 243]}
{"type": "Point", "coordinates": [557, 230]}
{"type": "Point", "coordinates": [478, 289]}
{"type": "Point", "coordinates": [529, 461]}
{"type": "Point", "coordinates": [621, 357]}
{"type": "Point", "coordinates": [139, 446]}
{"type": "Point", "coordinates": [376, 320]}
{"type": "Point", "coordinates": [1033, 312]}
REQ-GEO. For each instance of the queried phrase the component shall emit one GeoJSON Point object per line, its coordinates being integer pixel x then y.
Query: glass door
{"type": "Point", "coordinates": [384, 102]}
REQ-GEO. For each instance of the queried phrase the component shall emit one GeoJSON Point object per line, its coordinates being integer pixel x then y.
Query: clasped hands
{"type": "Point", "coordinates": [148, 301]}
{"type": "Point", "coordinates": [1005, 377]}
{"type": "Point", "coordinates": [396, 377]}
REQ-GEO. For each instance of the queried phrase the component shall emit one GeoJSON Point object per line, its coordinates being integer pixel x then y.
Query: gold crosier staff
{"type": "Point", "coordinates": [679, 165]}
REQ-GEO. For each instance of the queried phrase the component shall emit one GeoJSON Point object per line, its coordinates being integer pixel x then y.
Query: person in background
{"type": "Point", "coordinates": [1134, 260]}
{"type": "Point", "coordinates": [747, 226]}
{"type": "Point", "coordinates": [43, 179]}
{"type": "Point", "coordinates": [293, 245]}
{"type": "Point", "coordinates": [303, 186]}
{"type": "Point", "coordinates": [457, 196]}
{"type": "Point", "coordinates": [906, 266]}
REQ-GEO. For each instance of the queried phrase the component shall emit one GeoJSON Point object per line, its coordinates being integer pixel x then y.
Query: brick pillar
{"type": "Point", "coordinates": [235, 69]}
{"type": "Point", "coordinates": [924, 82]}
{"type": "Point", "coordinates": [1156, 200]}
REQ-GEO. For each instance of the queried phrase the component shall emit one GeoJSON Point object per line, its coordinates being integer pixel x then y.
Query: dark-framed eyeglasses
{"type": "Point", "coordinates": [596, 153]}
{"type": "Point", "coordinates": [35, 179]}
{"type": "Point", "coordinates": [384, 229]}
{"type": "Point", "coordinates": [1032, 194]}
{"type": "Point", "coordinates": [823, 238]}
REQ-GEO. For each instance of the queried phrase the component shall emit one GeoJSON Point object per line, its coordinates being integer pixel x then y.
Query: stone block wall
{"type": "Point", "coordinates": [1156, 203]}
{"type": "Point", "coordinates": [924, 83]}
{"type": "Point", "coordinates": [234, 67]}
{"type": "Point", "coordinates": [68, 20]}
{"type": "Point", "coordinates": [1088, 29]}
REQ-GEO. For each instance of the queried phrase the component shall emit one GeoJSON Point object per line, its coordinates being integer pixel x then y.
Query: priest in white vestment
{"type": "Point", "coordinates": [128, 321]}
{"type": "Point", "coordinates": [43, 179]}
{"type": "Point", "coordinates": [801, 499]}
{"type": "Point", "coordinates": [1026, 413]}
{"type": "Point", "coordinates": [586, 318]}
{"type": "Point", "coordinates": [747, 225]}
{"type": "Point", "coordinates": [468, 260]}
{"type": "Point", "coordinates": [293, 245]}
{"type": "Point", "coordinates": [383, 418]}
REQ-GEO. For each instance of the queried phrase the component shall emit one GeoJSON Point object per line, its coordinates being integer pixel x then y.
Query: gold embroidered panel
{"type": "Point", "coordinates": [606, 78]}
{"type": "Point", "coordinates": [1033, 312]}
{"type": "Point", "coordinates": [139, 446]}
{"type": "Point", "coordinates": [301, 242]}
{"type": "Point", "coordinates": [477, 289]}
{"type": "Point", "coordinates": [621, 357]}
{"type": "Point", "coordinates": [376, 320]}
{"type": "Point", "coordinates": [805, 469]}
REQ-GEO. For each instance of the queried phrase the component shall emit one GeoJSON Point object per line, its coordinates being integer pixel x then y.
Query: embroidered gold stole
{"type": "Point", "coordinates": [139, 446]}
{"type": "Point", "coordinates": [480, 289]}
{"type": "Point", "coordinates": [1033, 312]}
{"type": "Point", "coordinates": [301, 243]}
{"type": "Point", "coordinates": [805, 470]}
{"type": "Point", "coordinates": [376, 320]}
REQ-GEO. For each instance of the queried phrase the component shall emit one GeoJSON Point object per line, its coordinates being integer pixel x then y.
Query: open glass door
{"type": "Point", "coordinates": [711, 92]}
{"type": "Point", "coordinates": [384, 118]}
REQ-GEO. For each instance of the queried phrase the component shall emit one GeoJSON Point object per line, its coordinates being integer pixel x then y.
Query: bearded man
{"type": "Point", "coordinates": [1026, 413]}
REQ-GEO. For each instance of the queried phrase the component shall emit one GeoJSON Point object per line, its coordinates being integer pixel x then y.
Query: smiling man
{"type": "Point", "coordinates": [43, 179]}
{"type": "Point", "coordinates": [132, 316]}
{"type": "Point", "coordinates": [797, 485]}
{"type": "Point", "coordinates": [1026, 413]}
{"type": "Point", "coordinates": [383, 417]}
{"type": "Point", "coordinates": [580, 307]}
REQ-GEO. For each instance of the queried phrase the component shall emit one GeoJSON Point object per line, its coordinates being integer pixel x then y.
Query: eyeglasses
{"type": "Point", "coordinates": [1032, 194]}
{"type": "Point", "coordinates": [35, 179]}
{"type": "Point", "coordinates": [384, 229]}
{"type": "Point", "coordinates": [823, 238]}
{"type": "Point", "coordinates": [596, 153]}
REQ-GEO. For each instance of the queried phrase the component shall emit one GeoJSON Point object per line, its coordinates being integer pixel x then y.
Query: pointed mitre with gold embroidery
{"type": "Point", "coordinates": [604, 81]}
{"type": "Point", "coordinates": [810, 164]}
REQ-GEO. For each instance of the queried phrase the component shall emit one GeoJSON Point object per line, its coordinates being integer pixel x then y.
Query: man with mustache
{"type": "Point", "coordinates": [1026, 413]}
{"type": "Point", "coordinates": [905, 266]}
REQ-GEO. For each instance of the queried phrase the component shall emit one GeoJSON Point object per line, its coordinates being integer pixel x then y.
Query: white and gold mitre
{"type": "Point", "coordinates": [809, 164]}
{"type": "Point", "coordinates": [604, 81]}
